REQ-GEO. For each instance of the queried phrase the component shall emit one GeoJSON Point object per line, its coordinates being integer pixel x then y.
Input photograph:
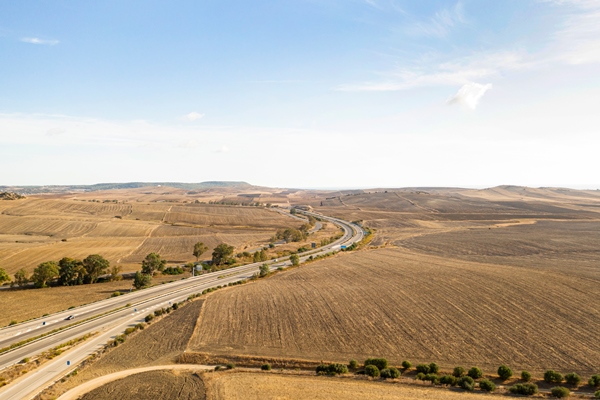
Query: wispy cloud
{"type": "Point", "coordinates": [34, 40]}
{"type": "Point", "coordinates": [223, 149]}
{"type": "Point", "coordinates": [469, 95]}
{"type": "Point", "coordinates": [55, 131]}
{"type": "Point", "coordinates": [193, 116]}
{"type": "Point", "coordinates": [441, 24]}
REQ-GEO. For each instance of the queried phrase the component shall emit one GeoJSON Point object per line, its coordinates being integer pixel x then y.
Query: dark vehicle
{"type": "Point", "coordinates": [70, 317]}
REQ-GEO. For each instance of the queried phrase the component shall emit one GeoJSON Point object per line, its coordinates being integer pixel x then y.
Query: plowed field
{"type": "Point", "coordinates": [403, 305]}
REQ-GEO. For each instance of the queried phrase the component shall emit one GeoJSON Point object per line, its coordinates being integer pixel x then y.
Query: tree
{"type": "Point", "coordinates": [199, 249]}
{"type": "Point", "coordinates": [295, 259]}
{"type": "Point", "coordinates": [263, 255]}
{"type": "Point", "coordinates": [153, 264]}
{"type": "Point", "coordinates": [572, 378]}
{"type": "Point", "coordinates": [43, 273]}
{"type": "Point", "coordinates": [221, 253]}
{"type": "Point", "coordinates": [458, 372]}
{"type": "Point", "coordinates": [114, 273]}
{"type": "Point", "coordinates": [21, 278]}
{"type": "Point", "coordinates": [559, 392]}
{"type": "Point", "coordinates": [406, 364]}
{"type": "Point", "coordinates": [95, 265]}
{"type": "Point", "coordinates": [4, 276]}
{"type": "Point", "coordinates": [71, 272]}
{"type": "Point", "coordinates": [475, 372]}
{"type": "Point", "coordinates": [264, 270]}
{"type": "Point", "coordinates": [487, 385]}
{"type": "Point", "coordinates": [552, 376]}
{"type": "Point", "coordinates": [372, 370]}
{"type": "Point", "coordinates": [504, 372]}
{"type": "Point", "coordinates": [526, 376]}
{"type": "Point", "coordinates": [380, 363]}
{"type": "Point", "coordinates": [256, 257]}
{"type": "Point", "coordinates": [141, 280]}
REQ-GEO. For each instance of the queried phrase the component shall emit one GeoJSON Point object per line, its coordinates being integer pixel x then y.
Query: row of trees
{"type": "Point", "coordinates": [66, 272]}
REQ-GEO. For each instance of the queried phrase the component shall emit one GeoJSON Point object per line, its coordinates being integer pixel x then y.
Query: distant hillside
{"type": "Point", "coordinates": [10, 196]}
{"type": "Point", "coordinates": [128, 185]}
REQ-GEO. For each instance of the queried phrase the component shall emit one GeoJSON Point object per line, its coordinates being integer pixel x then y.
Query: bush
{"type": "Point", "coordinates": [487, 385]}
{"type": "Point", "coordinates": [390, 373]}
{"type": "Point", "coordinates": [266, 367]}
{"type": "Point", "coordinates": [572, 379]}
{"type": "Point", "coordinates": [420, 376]}
{"type": "Point", "coordinates": [423, 368]}
{"type": "Point", "coordinates": [433, 378]}
{"type": "Point", "coordinates": [406, 364]}
{"type": "Point", "coordinates": [504, 372]}
{"type": "Point", "coordinates": [560, 392]}
{"type": "Point", "coordinates": [466, 382]}
{"type": "Point", "coordinates": [12, 322]}
{"type": "Point", "coordinates": [332, 369]}
{"type": "Point", "coordinates": [526, 376]}
{"type": "Point", "coordinates": [434, 368]}
{"type": "Point", "coordinates": [597, 395]}
{"type": "Point", "coordinates": [372, 370]}
{"type": "Point", "coordinates": [149, 318]}
{"type": "Point", "coordinates": [230, 366]}
{"type": "Point", "coordinates": [448, 380]}
{"type": "Point", "coordinates": [380, 363]}
{"type": "Point", "coordinates": [527, 389]}
{"type": "Point", "coordinates": [594, 381]}
{"type": "Point", "coordinates": [353, 364]}
{"type": "Point", "coordinates": [551, 376]}
{"type": "Point", "coordinates": [475, 372]}
{"type": "Point", "coordinates": [458, 372]}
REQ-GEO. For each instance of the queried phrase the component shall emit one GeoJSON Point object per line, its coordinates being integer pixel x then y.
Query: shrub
{"type": "Point", "coordinates": [475, 372]}
{"type": "Point", "coordinates": [380, 363]}
{"type": "Point", "coordinates": [487, 385]}
{"type": "Point", "coordinates": [12, 322]}
{"type": "Point", "coordinates": [434, 368]}
{"type": "Point", "coordinates": [175, 306]}
{"type": "Point", "coordinates": [504, 372]}
{"type": "Point", "coordinates": [353, 364]}
{"type": "Point", "coordinates": [560, 392]}
{"type": "Point", "coordinates": [424, 368]}
{"type": "Point", "coordinates": [372, 370]}
{"type": "Point", "coordinates": [551, 376]}
{"type": "Point", "coordinates": [466, 382]}
{"type": "Point", "coordinates": [420, 376]}
{"type": "Point", "coordinates": [594, 381]}
{"type": "Point", "coordinates": [448, 380]}
{"type": "Point", "coordinates": [321, 369]}
{"type": "Point", "coordinates": [406, 364]}
{"type": "Point", "coordinates": [572, 379]}
{"type": "Point", "coordinates": [390, 373]}
{"type": "Point", "coordinates": [266, 367]}
{"type": "Point", "coordinates": [458, 372]}
{"type": "Point", "coordinates": [230, 366]}
{"type": "Point", "coordinates": [129, 330]}
{"type": "Point", "coordinates": [433, 378]}
{"type": "Point", "coordinates": [527, 389]}
{"type": "Point", "coordinates": [149, 318]}
{"type": "Point", "coordinates": [526, 376]}
{"type": "Point", "coordinates": [332, 369]}
{"type": "Point", "coordinates": [597, 395]}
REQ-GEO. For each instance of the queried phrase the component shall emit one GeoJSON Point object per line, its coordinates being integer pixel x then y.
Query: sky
{"type": "Point", "coordinates": [301, 93]}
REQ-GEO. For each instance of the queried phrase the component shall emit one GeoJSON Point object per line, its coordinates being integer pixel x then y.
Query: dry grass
{"type": "Point", "coordinates": [404, 305]}
{"type": "Point", "coordinates": [164, 385]}
{"type": "Point", "coordinates": [248, 386]}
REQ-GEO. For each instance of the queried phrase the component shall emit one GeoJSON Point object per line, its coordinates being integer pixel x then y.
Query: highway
{"type": "Point", "coordinates": [112, 316]}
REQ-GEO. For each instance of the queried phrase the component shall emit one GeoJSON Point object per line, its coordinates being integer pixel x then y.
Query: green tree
{"type": "Point", "coordinates": [475, 372]}
{"type": "Point", "coordinates": [199, 249]}
{"type": "Point", "coordinates": [295, 259]}
{"type": "Point", "coordinates": [141, 280]}
{"type": "Point", "coordinates": [221, 253]}
{"type": "Point", "coordinates": [43, 273]}
{"type": "Point", "coordinates": [406, 364]}
{"type": "Point", "coordinates": [560, 392]}
{"type": "Point", "coordinates": [458, 372]}
{"type": "Point", "coordinates": [504, 372]}
{"type": "Point", "coordinates": [263, 255]}
{"type": "Point", "coordinates": [114, 273]}
{"type": "Point", "coordinates": [71, 272]}
{"type": "Point", "coordinates": [264, 270]}
{"type": "Point", "coordinates": [487, 385]}
{"type": "Point", "coordinates": [21, 278]}
{"type": "Point", "coordinates": [95, 265]}
{"type": "Point", "coordinates": [552, 376]}
{"type": "Point", "coordinates": [526, 376]}
{"type": "Point", "coordinates": [4, 276]}
{"type": "Point", "coordinates": [152, 264]}
{"type": "Point", "coordinates": [572, 379]}
{"type": "Point", "coordinates": [372, 370]}
{"type": "Point", "coordinates": [256, 257]}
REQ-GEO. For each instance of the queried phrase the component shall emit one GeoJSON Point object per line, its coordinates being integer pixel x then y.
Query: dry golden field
{"type": "Point", "coordinates": [45, 228]}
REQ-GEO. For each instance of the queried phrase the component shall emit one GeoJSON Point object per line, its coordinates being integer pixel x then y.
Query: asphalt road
{"type": "Point", "coordinates": [141, 302]}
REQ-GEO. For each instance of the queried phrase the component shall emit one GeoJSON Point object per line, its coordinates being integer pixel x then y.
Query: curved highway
{"type": "Point", "coordinates": [111, 317]}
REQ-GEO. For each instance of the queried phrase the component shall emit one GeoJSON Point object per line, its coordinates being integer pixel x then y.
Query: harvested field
{"type": "Point", "coordinates": [164, 385]}
{"type": "Point", "coordinates": [248, 386]}
{"type": "Point", "coordinates": [404, 305]}
{"type": "Point", "coordinates": [22, 305]}
{"type": "Point", "coordinates": [158, 344]}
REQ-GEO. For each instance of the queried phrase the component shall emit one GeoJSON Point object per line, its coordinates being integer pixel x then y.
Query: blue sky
{"type": "Point", "coordinates": [301, 93]}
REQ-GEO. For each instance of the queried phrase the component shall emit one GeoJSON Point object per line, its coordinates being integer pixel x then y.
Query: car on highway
{"type": "Point", "coordinates": [70, 317]}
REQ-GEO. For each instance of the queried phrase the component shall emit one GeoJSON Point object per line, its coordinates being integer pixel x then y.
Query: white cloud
{"type": "Point", "coordinates": [441, 24]}
{"type": "Point", "coordinates": [55, 131]}
{"type": "Point", "coordinates": [34, 40]}
{"type": "Point", "coordinates": [223, 149]}
{"type": "Point", "coordinates": [193, 116]}
{"type": "Point", "coordinates": [469, 95]}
